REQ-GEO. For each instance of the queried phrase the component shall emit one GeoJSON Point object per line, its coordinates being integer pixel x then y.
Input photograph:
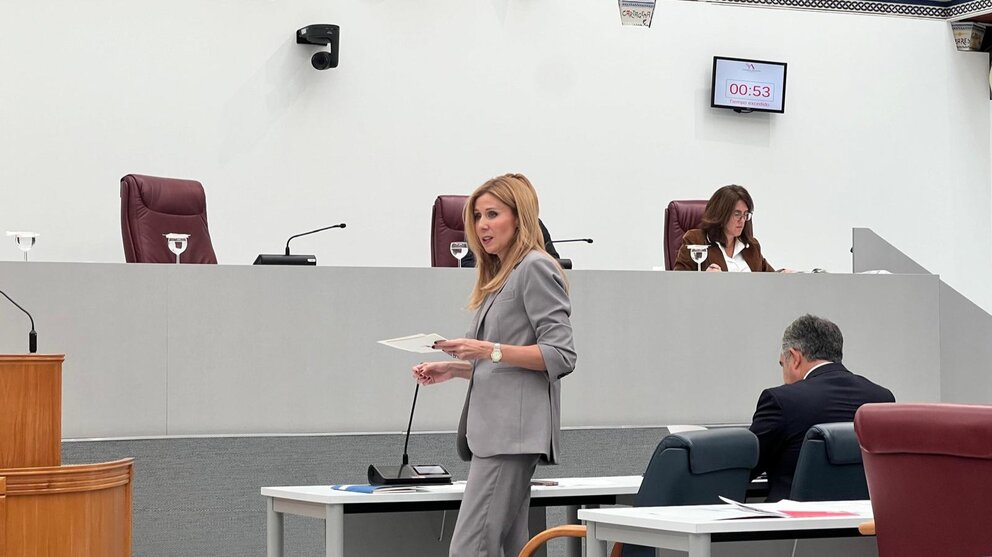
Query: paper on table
{"type": "Point", "coordinates": [366, 488]}
{"type": "Point", "coordinates": [707, 513]}
{"type": "Point", "coordinates": [420, 343]}
{"type": "Point", "coordinates": [763, 512]}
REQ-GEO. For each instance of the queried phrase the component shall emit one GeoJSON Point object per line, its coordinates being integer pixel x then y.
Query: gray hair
{"type": "Point", "coordinates": [815, 337]}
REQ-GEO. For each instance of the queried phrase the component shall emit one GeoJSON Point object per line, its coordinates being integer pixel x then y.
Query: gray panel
{"type": "Point", "coordinates": [110, 322]}
{"type": "Point", "coordinates": [965, 328]}
{"type": "Point", "coordinates": [242, 349]}
{"type": "Point", "coordinates": [293, 349]}
{"type": "Point", "coordinates": [965, 349]}
{"type": "Point", "coordinates": [699, 348]}
{"type": "Point", "coordinates": [872, 253]}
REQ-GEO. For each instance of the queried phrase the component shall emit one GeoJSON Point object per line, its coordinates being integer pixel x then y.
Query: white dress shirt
{"type": "Point", "coordinates": [812, 369]}
{"type": "Point", "coordinates": [735, 263]}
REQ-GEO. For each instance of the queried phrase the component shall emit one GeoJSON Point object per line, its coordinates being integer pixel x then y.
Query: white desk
{"type": "Point", "coordinates": [693, 528]}
{"type": "Point", "coordinates": [329, 505]}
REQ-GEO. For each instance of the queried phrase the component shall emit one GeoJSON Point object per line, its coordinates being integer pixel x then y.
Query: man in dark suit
{"type": "Point", "coordinates": [818, 389]}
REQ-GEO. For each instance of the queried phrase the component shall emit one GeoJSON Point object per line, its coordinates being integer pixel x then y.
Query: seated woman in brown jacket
{"type": "Point", "coordinates": [726, 229]}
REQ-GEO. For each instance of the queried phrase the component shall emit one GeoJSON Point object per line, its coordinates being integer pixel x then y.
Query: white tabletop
{"type": "Point", "coordinates": [712, 519]}
{"type": "Point", "coordinates": [567, 487]}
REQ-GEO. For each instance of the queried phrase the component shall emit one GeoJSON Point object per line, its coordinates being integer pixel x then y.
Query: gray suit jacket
{"type": "Point", "coordinates": [511, 410]}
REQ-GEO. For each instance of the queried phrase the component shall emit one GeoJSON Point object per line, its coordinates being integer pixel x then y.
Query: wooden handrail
{"type": "Point", "coordinates": [69, 478]}
{"type": "Point", "coordinates": [47, 506]}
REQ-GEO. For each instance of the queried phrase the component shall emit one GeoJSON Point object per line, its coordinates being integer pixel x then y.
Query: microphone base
{"type": "Point", "coordinates": [415, 474]}
{"type": "Point", "coordinates": [280, 259]}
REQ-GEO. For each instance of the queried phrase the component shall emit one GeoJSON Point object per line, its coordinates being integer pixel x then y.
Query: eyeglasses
{"type": "Point", "coordinates": [746, 216]}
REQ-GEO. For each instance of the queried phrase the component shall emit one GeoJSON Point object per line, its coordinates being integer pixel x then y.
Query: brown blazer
{"type": "Point", "coordinates": [752, 254]}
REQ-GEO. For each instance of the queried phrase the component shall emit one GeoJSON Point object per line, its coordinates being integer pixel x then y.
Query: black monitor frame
{"type": "Point", "coordinates": [785, 75]}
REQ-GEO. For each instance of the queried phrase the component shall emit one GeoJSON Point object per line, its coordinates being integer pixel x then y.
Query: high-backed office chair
{"type": "Point", "coordinates": [447, 225]}
{"type": "Point", "coordinates": [928, 468]}
{"type": "Point", "coordinates": [829, 466]}
{"type": "Point", "coordinates": [690, 468]}
{"type": "Point", "coordinates": [680, 217]}
{"type": "Point", "coordinates": [153, 206]}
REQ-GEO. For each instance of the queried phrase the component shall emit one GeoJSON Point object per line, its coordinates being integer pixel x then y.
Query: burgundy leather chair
{"type": "Point", "coordinates": [680, 217]}
{"type": "Point", "coordinates": [928, 468]}
{"type": "Point", "coordinates": [447, 225]}
{"type": "Point", "coordinates": [151, 207]}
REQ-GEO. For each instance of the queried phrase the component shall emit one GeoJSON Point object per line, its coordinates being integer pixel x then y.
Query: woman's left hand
{"type": "Point", "coordinates": [465, 348]}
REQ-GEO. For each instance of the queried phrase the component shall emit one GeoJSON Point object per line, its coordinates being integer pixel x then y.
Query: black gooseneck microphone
{"type": "Point", "coordinates": [32, 336]}
{"type": "Point", "coordinates": [405, 474]}
{"type": "Point", "coordinates": [566, 263]}
{"type": "Point", "coordinates": [288, 259]}
{"type": "Point", "coordinates": [586, 240]}
{"type": "Point", "coordinates": [342, 225]}
{"type": "Point", "coordinates": [409, 426]}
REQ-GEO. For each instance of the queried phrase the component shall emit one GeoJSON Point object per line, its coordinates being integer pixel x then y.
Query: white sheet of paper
{"type": "Point", "coordinates": [755, 510]}
{"type": "Point", "coordinates": [420, 342]}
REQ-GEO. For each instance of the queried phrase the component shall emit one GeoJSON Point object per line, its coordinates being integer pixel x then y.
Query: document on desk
{"type": "Point", "coordinates": [784, 509]}
{"type": "Point", "coordinates": [421, 343]}
{"type": "Point", "coordinates": [367, 488]}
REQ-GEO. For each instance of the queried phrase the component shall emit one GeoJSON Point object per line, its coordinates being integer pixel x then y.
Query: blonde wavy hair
{"type": "Point", "coordinates": [516, 191]}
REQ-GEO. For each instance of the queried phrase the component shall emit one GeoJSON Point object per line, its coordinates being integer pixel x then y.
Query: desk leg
{"type": "Point", "coordinates": [273, 530]}
{"type": "Point", "coordinates": [573, 546]}
{"type": "Point", "coordinates": [699, 545]}
{"type": "Point", "coordinates": [594, 547]}
{"type": "Point", "coordinates": [334, 531]}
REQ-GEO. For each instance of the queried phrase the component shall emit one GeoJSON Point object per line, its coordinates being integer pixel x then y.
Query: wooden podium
{"type": "Point", "coordinates": [30, 410]}
{"type": "Point", "coordinates": [46, 508]}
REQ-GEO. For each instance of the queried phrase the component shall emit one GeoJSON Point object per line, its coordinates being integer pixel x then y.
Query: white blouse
{"type": "Point", "coordinates": [735, 263]}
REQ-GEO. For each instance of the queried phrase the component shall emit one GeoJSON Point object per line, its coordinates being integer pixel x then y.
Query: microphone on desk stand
{"type": "Point", "coordinates": [407, 474]}
{"type": "Point", "coordinates": [566, 263]}
{"type": "Point", "coordinates": [32, 336]}
{"type": "Point", "coordinates": [289, 259]}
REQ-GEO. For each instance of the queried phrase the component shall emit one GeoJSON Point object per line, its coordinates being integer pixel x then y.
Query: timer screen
{"type": "Point", "coordinates": [748, 85]}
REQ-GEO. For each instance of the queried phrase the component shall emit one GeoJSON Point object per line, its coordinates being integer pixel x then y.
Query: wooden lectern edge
{"type": "Point", "coordinates": [3, 516]}
{"type": "Point", "coordinates": [36, 357]}
{"type": "Point", "coordinates": [69, 478]}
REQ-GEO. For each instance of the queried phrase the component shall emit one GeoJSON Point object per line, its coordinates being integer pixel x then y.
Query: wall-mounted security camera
{"type": "Point", "coordinates": [322, 34]}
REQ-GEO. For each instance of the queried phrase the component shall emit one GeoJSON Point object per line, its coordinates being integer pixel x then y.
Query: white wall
{"type": "Point", "coordinates": [886, 125]}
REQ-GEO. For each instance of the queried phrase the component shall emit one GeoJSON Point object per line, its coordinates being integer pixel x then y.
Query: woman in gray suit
{"type": "Point", "coordinates": [519, 346]}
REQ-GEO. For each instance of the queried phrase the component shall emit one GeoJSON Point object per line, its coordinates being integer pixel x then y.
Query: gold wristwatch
{"type": "Point", "coordinates": [496, 354]}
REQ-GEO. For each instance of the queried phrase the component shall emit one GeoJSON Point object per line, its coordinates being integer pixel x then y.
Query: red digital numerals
{"type": "Point", "coordinates": [750, 90]}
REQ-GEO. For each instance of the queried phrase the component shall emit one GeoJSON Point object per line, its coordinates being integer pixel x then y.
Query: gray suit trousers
{"type": "Point", "coordinates": [492, 519]}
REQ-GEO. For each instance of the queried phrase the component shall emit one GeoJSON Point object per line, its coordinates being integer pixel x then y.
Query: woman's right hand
{"type": "Point", "coordinates": [714, 268]}
{"type": "Point", "coordinates": [429, 373]}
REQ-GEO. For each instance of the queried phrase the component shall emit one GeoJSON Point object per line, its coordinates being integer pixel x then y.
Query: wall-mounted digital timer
{"type": "Point", "coordinates": [748, 85]}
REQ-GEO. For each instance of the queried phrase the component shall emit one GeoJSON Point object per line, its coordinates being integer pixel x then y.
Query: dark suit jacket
{"type": "Point", "coordinates": [830, 394]}
{"type": "Point", "coordinates": [469, 259]}
{"type": "Point", "coordinates": [752, 254]}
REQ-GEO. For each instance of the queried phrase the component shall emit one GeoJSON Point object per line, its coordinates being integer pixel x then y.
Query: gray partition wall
{"type": "Point", "coordinates": [965, 328]}
{"type": "Point", "coordinates": [186, 350]}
